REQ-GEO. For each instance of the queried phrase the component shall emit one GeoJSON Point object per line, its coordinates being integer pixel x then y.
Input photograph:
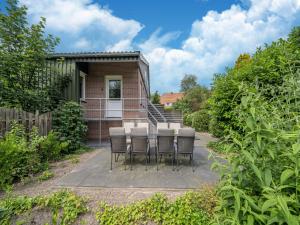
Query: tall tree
{"type": "Point", "coordinates": [23, 52]}
{"type": "Point", "coordinates": [188, 82]}
{"type": "Point", "coordinates": [155, 98]}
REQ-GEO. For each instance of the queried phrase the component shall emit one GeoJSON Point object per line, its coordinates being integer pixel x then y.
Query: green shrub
{"type": "Point", "coordinates": [18, 156]}
{"type": "Point", "coordinates": [222, 146]}
{"type": "Point", "coordinates": [64, 206]}
{"type": "Point", "coordinates": [187, 119]}
{"type": "Point", "coordinates": [52, 147]}
{"type": "Point", "coordinates": [260, 185]}
{"type": "Point", "coordinates": [46, 175]}
{"type": "Point", "coordinates": [191, 208]}
{"type": "Point", "coordinates": [266, 68]}
{"type": "Point", "coordinates": [68, 122]}
{"type": "Point", "coordinates": [168, 108]}
{"type": "Point", "coordinates": [200, 120]}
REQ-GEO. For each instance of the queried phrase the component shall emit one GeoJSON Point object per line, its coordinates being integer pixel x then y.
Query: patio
{"type": "Point", "coordinates": [95, 172]}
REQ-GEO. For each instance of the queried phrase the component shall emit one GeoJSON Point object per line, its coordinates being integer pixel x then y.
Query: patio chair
{"type": "Point", "coordinates": [128, 126]}
{"type": "Point", "coordinates": [139, 144]}
{"type": "Point", "coordinates": [185, 144]}
{"type": "Point", "coordinates": [118, 143]}
{"type": "Point", "coordinates": [175, 127]}
{"type": "Point", "coordinates": [165, 145]}
{"type": "Point", "coordinates": [162, 126]}
{"type": "Point", "coordinates": [144, 125]}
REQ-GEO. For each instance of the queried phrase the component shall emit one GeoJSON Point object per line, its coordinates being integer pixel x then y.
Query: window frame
{"type": "Point", "coordinates": [83, 86]}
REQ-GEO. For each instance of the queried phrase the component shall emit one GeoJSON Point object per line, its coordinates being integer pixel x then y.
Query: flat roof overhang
{"type": "Point", "coordinates": [134, 56]}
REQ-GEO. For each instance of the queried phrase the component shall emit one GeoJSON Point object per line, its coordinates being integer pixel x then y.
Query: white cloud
{"type": "Point", "coordinates": [155, 40]}
{"type": "Point", "coordinates": [83, 22]}
{"type": "Point", "coordinates": [217, 39]}
{"type": "Point", "coordinates": [82, 43]}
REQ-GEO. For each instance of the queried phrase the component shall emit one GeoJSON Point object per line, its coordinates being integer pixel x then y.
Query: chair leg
{"type": "Point", "coordinates": [130, 161]}
{"type": "Point", "coordinates": [173, 161]}
{"type": "Point", "coordinates": [157, 161]}
{"type": "Point", "coordinates": [177, 162]}
{"type": "Point", "coordinates": [192, 161]}
{"type": "Point", "coordinates": [111, 156]}
{"type": "Point", "coordinates": [125, 160]}
{"type": "Point", "coordinates": [146, 160]}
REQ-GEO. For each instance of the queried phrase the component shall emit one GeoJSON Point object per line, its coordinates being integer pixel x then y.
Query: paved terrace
{"type": "Point", "coordinates": [95, 172]}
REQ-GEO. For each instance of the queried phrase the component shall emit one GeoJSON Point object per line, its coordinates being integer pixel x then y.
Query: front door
{"type": "Point", "coordinates": [114, 96]}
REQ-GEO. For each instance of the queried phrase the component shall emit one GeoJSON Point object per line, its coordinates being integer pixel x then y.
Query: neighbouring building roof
{"type": "Point", "coordinates": [170, 97]}
{"type": "Point", "coordinates": [101, 56]}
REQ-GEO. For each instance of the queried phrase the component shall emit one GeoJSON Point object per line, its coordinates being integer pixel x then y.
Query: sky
{"type": "Point", "coordinates": [177, 37]}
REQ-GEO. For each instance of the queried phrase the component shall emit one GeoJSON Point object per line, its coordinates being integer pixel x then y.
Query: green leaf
{"type": "Point", "coordinates": [268, 177]}
{"type": "Point", "coordinates": [250, 220]}
{"type": "Point", "coordinates": [286, 174]}
{"type": "Point", "coordinates": [296, 148]}
{"type": "Point", "coordinates": [250, 123]}
{"type": "Point", "coordinates": [269, 203]}
{"type": "Point", "coordinates": [248, 156]}
{"type": "Point", "coordinates": [257, 172]}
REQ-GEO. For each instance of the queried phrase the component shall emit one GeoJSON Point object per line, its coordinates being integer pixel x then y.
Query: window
{"type": "Point", "coordinates": [114, 89]}
{"type": "Point", "coordinates": [82, 86]}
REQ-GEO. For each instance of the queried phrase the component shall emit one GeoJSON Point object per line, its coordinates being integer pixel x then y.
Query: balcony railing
{"type": "Point", "coordinates": [115, 109]}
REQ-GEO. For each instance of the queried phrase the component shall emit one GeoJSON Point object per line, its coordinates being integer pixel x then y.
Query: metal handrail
{"type": "Point", "coordinates": [153, 117]}
{"type": "Point", "coordinates": [153, 106]}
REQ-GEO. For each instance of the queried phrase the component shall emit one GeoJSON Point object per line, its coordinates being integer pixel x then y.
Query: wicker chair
{"type": "Point", "coordinates": [118, 143]}
{"type": "Point", "coordinates": [185, 144]}
{"type": "Point", "coordinates": [165, 144]}
{"type": "Point", "coordinates": [175, 127]}
{"type": "Point", "coordinates": [139, 144]}
{"type": "Point", "coordinates": [162, 125]}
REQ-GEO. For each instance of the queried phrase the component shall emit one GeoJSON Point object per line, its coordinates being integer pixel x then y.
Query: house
{"type": "Point", "coordinates": [168, 99]}
{"type": "Point", "coordinates": [112, 87]}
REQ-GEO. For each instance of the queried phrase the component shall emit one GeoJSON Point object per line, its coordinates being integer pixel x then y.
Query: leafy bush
{"type": "Point", "coordinates": [168, 108]}
{"type": "Point", "coordinates": [220, 147]}
{"type": "Point", "coordinates": [194, 99]}
{"type": "Point", "coordinates": [261, 183]}
{"type": "Point", "coordinates": [52, 147]}
{"type": "Point", "coordinates": [65, 207]}
{"type": "Point", "coordinates": [46, 175]}
{"type": "Point", "coordinates": [266, 68]}
{"type": "Point", "coordinates": [191, 208]}
{"type": "Point", "coordinates": [200, 120]}
{"type": "Point", "coordinates": [18, 155]}
{"type": "Point", "coordinates": [68, 122]}
{"type": "Point", "coordinates": [187, 119]}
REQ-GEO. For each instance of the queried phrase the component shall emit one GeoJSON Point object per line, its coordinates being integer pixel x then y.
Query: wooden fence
{"type": "Point", "coordinates": [42, 121]}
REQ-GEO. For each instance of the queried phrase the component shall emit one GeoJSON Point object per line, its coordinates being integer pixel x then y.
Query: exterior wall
{"type": "Point", "coordinates": [58, 68]}
{"type": "Point", "coordinates": [94, 129]}
{"type": "Point", "coordinates": [132, 87]}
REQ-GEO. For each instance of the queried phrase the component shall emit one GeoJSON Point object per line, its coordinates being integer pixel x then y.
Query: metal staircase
{"type": "Point", "coordinates": [157, 114]}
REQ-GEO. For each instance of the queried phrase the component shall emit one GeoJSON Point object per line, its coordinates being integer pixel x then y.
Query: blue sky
{"type": "Point", "coordinates": [200, 37]}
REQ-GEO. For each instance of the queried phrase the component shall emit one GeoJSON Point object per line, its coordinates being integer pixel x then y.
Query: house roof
{"type": "Point", "coordinates": [101, 56]}
{"type": "Point", "coordinates": [170, 97]}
